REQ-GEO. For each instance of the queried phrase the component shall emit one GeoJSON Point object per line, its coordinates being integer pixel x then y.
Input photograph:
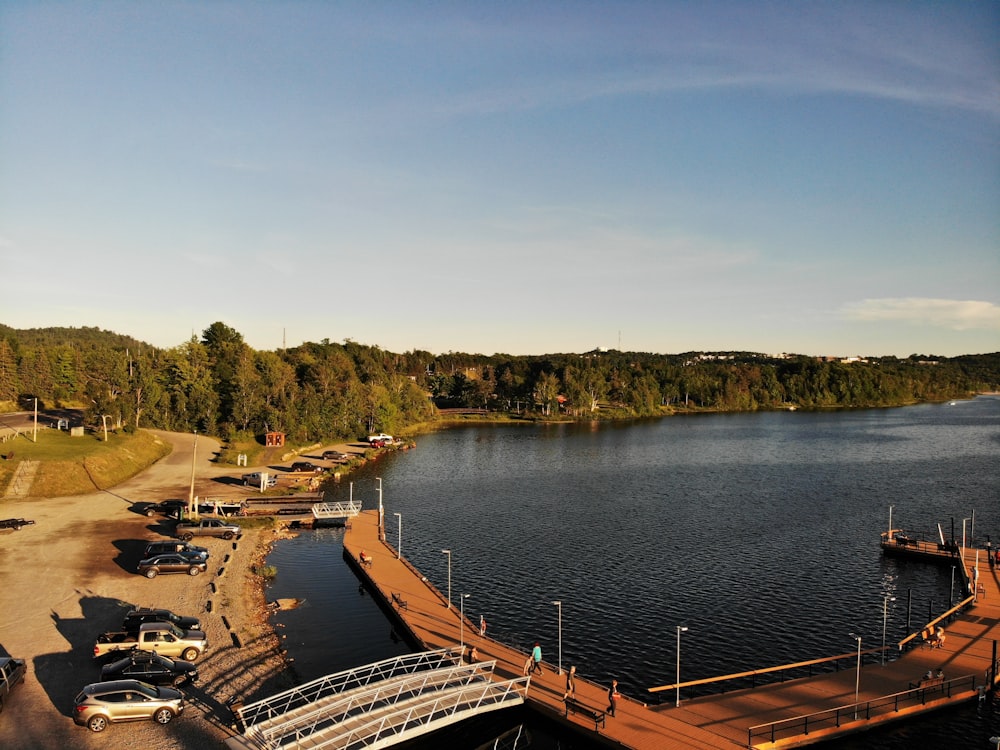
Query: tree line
{"type": "Point", "coordinates": [217, 384]}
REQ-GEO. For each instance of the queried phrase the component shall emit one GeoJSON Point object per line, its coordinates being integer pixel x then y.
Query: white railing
{"type": "Point", "coordinates": [420, 715]}
{"type": "Point", "coordinates": [333, 714]}
{"type": "Point", "coordinates": [336, 510]}
{"type": "Point", "coordinates": [339, 682]}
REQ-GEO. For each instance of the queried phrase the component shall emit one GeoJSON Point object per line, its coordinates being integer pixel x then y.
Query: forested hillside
{"type": "Point", "coordinates": [218, 384]}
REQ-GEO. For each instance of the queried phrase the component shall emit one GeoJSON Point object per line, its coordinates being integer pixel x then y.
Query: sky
{"type": "Point", "coordinates": [513, 177]}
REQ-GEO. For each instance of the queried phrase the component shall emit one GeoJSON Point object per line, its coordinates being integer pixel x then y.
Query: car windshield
{"type": "Point", "coordinates": [175, 630]}
{"type": "Point", "coordinates": [147, 690]}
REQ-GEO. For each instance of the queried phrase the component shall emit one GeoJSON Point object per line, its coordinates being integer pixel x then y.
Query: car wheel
{"type": "Point", "coordinates": [97, 723]}
{"type": "Point", "coordinates": [228, 535]}
{"type": "Point", "coordinates": [194, 570]}
{"type": "Point", "coordinates": [187, 537]}
{"type": "Point", "coordinates": [163, 716]}
{"type": "Point", "coordinates": [189, 654]}
{"type": "Point", "coordinates": [150, 512]}
{"type": "Point", "coordinates": [151, 573]}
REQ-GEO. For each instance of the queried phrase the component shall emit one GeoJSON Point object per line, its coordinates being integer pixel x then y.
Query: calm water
{"type": "Point", "coordinates": [759, 532]}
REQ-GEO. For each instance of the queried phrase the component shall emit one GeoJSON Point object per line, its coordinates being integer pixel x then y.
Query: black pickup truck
{"type": "Point", "coordinates": [15, 523]}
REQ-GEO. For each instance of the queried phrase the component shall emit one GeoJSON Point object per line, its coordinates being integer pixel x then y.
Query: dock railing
{"type": "Point", "coordinates": [862, 711]}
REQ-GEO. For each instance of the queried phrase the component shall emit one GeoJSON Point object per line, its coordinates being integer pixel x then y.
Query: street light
{"type": "Point", "coordinates": [885, 615]}
{"type": "Point", "coordinates": [559, 605]}
{"type": "Point", "coordinates": [857, 675]}
{"type": "Point", "coordinates": [448, 552]}
{"type": "Point", "coordinates": [381, 512]}
{"type": "Point", "coordinates": [461, 624]}
{"type": "Point", "coordinates": [399, 541]}
{"type": "Point", "coordinates": [677, 698]}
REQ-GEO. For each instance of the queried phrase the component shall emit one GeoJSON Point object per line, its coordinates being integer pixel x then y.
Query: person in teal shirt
{"type": "Point", "coordinates": [536, 659]}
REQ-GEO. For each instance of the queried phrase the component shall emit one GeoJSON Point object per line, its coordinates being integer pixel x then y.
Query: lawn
{"type": "Point", "coordinates": [76, 465]}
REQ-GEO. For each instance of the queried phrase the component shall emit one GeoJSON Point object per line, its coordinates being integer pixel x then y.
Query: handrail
{"type": "Point", "coordinates": [267, 708]}
{"type": "Point", "coordinates": [765, 670]}
{"type": "Point", "coordinates": [866, 710]}
{"type": "Point", "coordinates": [397, 690]}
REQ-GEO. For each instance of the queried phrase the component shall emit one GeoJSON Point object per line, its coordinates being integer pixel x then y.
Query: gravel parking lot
{"type": "Point", "coordinates": [71, 576]}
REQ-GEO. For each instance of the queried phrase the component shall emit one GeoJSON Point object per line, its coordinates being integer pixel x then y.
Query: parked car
{"type": "Point", "coordinates": [167, 507]}
{"type": "Point", "coordinates": [171, 563]}
{"type": "Point", "coordinates": [380, 438]}
{"type": "Point", "coordinates": [335, 456]}
{"type": "Point", "coordinates": [103, 703]}
{"type": "Point", "coordinates": [161, 637]}
{"type": "Point", "coordinates": [254, 479]}
{"type": "Point", "coordinates": [136, 617]}
{"type": "Point", "coordinates": [306, 466]}
{"type": "Point", "coordinates": [150, 668]}
{"type": "Point", "coordinates": [188, 530]}
{"type": "Point", "coordinates": [175, 546]}
{"type": "Point", "coordinates": [12, 672]}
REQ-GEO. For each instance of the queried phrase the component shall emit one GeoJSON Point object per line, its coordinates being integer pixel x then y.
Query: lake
{"type": "Point", "coordinates": [758, 532]}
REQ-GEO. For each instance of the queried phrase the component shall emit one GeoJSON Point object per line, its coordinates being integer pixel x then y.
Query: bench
{"type": "Point", "coordinates": [399, 600]}
{"type": "Point", "coordinates": [572, 704]}
{"type": "Point", "coordinates": [927, 682]}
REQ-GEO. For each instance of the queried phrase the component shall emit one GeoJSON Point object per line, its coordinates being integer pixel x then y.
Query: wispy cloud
{"type": "Point", "coordinates": [958, 315]}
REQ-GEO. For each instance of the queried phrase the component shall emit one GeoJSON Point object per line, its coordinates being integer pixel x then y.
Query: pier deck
{"type": "Point", "coordinates": [716, 721]}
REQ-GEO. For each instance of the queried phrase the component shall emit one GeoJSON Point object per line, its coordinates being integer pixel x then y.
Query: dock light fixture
{"type": "Point", "coordinates": [885, 616]}
{"type": "Point", "coordinates": [558, 604]}
{"type": "Point", "coordinates": [857, 675]}
{"type": "Point", "coordinates": [381, 511]}
{"type": "Point", "coordinates": [448, 552]}
{"type": "Point", "coordinates": [461, 624]}
{"type": "Point", "coordinates": [677, 696]}
{"type": "Point", "coordinates": [399, 535]}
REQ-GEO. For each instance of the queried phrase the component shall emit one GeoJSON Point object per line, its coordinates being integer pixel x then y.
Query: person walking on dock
{"type": "Point", "coordinates": [570, 683]}
{"type": "Point", "coordinates": [613, 696]}
{"type": "Point", "coordinates": [482, 625]}
{"type": "Point", "coordinates": [536, 658]}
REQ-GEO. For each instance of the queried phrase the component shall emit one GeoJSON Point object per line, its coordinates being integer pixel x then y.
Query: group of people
{"type": "Point", "coordinates": [534, 666]}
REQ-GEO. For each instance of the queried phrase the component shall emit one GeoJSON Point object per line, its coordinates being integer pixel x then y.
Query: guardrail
{"type": "Point", "coordinates": [861, 711]}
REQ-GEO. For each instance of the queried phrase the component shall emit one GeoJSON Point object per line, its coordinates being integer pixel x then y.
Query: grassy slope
{"type": "Point", "coordinates": [77, 465]}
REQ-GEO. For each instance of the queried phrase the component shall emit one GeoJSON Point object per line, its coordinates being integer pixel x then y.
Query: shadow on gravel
{"type": "Point", "coordinates": [129, 553]}
{"type": "Point", "coordinates": [62, 675]}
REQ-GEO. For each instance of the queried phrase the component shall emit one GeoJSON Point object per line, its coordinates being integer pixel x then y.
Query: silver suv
{"type": "Point", "coordinates": [103, 703]}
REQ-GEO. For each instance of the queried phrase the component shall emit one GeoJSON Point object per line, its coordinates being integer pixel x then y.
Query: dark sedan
{"type": "Point", "coordinates": [174, 563]}
{"type": "Point", "coordinates": [149, 667]}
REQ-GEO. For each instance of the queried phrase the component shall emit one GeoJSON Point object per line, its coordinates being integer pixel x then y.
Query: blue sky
{"type": "Point", "coordinates": [522, 177]}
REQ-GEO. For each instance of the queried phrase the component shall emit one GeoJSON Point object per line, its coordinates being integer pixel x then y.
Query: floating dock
{"type": "Point", "coordinates": [789, 713]}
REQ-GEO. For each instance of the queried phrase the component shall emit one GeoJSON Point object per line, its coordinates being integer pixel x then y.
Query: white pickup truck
{"type": "Point", "coordinates": [260, 479]}
{"type": "Point", "coordinates": [12, 672]}
{"type": "Point", "coordinates": [162, 638]}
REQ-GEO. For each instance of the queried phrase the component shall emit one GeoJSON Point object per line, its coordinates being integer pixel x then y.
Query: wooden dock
{"type": "Point", "coordinates": [813, 709]}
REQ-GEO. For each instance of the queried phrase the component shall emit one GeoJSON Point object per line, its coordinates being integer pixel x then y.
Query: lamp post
{"type": "Point", "coordinates": [885, 616]}
{"type": "Point", "coordinates": [558, 604]}
{"type": "Point", "coordinates": [461, 624]}
{"type": "Point", "coordinates": [677, 697]}
{"type": "Point", "coordinates": [381, 511]}
{"type": "Point", "coordinates": [857, 675]}
{"type": "Point", "coordinates": [399, 535]}
{"type": "Point", "coordinates": [448, 552]}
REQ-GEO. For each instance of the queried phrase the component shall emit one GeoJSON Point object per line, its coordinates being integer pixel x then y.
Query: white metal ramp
{"type": "Point", "coordinates": [333, 684]}
{"type": "Point", "coordinates": [323, 511]}
{"type": "Point", "coordinates": [380, 704]}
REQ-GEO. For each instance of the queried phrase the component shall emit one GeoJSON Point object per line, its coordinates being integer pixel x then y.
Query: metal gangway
{"type": "Point", "coordinates": [381, 704]}
{"type": "Point", "coordinates": [323, 511]}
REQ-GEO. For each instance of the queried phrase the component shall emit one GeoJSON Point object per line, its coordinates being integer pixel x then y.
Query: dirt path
{"type": "Point", "coordinates": [71, 576]}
